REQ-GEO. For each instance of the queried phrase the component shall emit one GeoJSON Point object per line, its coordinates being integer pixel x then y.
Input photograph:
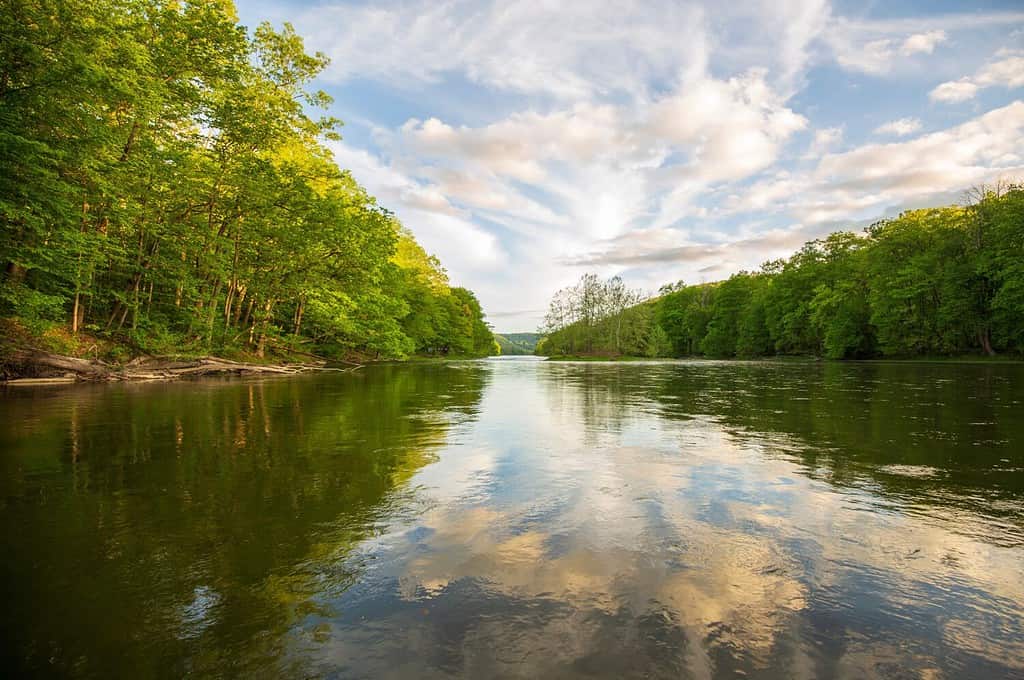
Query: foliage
{"type": "Point", "coordinates": [517, 344]}
{"type": "Point", "coordinates": [938, 282]}
{"type": "Point", "coordinates": [510, 348]}
{"type": "Point", "coordinates": [164, 181]}
{"type": "Point", "coordinates": [596, 317]}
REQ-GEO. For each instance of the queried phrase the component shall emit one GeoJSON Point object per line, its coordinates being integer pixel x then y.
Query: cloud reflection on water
{"type": "Point", "coordinates": [578, 530]}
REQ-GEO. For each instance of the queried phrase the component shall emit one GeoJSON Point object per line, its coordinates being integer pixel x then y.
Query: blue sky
{"type": "Point", "coordinates": [526, 142]}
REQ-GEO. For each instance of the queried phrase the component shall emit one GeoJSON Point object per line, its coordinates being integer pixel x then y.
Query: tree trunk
{"type": "Point", "coordinates": [986, 342]}
{"type": "Point", "coordinates": [212, 314]}
{"type": "Point", "coordinates": [131, 141]}
{"type": "Point", "coordinates": [248, 313]}
{"type": "Point", "coordinates": [181, 284]}
{"type": "Point", "coordinates": [298, 315]}
{"type": "Point", "coordinates": [229, 301]}
{"type": "Point", "coordinates": [74, 314]}
{"type": "Point", "coordinates": [261, 344]}
{"type": "Point", "coordinates": [239, 305]}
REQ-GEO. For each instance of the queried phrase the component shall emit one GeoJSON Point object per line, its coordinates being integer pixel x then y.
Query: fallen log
{"type": "Point", "coordinates": [40, 381]}
{"type": "Point", "coordinates": [44, 362]}
{"type": "Point", "coordinates": [44, 368]}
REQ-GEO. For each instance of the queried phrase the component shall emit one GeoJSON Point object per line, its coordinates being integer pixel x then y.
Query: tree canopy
{"type": "Point", "coordinates": [165, 182]}
{"type": "Point", "coordinates": [937, 282]}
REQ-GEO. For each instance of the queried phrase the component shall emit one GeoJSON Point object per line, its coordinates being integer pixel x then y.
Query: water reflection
{"type": "Point", "coordinates": [522, 519]}
{"type": "Point", "coordinates": [165, 529]}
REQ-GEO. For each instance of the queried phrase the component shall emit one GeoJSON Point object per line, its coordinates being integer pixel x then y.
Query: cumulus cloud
{"type": "Point", "coordinates": [658, 140]}
{"type": "Point", "coordinates": [936, 161]}
{"type": "Point", "coordinates": [1007, 71]}
{"type": "Point", "coordinates": [733, 128]}
{"type": "Point", "coordinates": [899, 128]}
{"type": "Point", "coordinates": [954, 91]}
{"type": "Point", "coordinates": [600, 166]}
{"type": "Point", "coordinates": [922, 43]}
{"type": "Point", "coordinates": [867, 179]}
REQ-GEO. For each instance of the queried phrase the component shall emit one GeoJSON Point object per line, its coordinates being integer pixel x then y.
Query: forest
{"type": "Point", "coordinates": [166, 187]}
{"type": "Point", "coordinates": [517, 344]}
{"type": "Point", "coordinates": [936, 282]}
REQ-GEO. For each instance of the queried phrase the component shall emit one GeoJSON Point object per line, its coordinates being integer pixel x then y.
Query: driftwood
{"type": "Point", "coordinates": [40, 381]}
{"type": "Point", "coordinates": [36, 367]}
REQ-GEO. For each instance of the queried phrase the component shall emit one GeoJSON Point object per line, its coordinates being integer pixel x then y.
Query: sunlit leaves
{"type": "Point", "coordinates": [165, 182]}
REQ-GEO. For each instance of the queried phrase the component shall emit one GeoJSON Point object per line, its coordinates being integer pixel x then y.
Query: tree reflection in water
{"type": "Point", "coordinates": [528, 519]}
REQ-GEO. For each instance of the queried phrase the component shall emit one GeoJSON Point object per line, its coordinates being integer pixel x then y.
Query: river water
{"type": "Point", "coordinates": [520, 518]}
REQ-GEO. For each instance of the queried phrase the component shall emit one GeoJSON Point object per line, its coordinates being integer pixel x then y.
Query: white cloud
{"type": "Point", "coordinates": [881, 46]}
{"type": "Point", "coordinates": [603, 166]}
{"type": "Point", "coordinates": [733, 128]}
{"type": "Point", "coordinates": [665, 246]}
{"type": "Point", "coordinates": [863, 181]}
{"type": "Point", "coordinates": [1006, 72]}
{"type": "Point", "coordinates": [954, 91]}
{"type": "Point", "coordinates": [440, 227]}
{"type": "Point", "coordinates": [658, 139]}
{"type": "Point", "coordinates": [900, 128]}
{"type": "Point", "coordinates": [843, 188]}
{"type": "Point", "coordinates": [922, 43]}
{"type": "Point", "coordinates": [879, 55]}
{"type": "Point", "coordinates": [873, 57]}
{"type": "Point", "coordinates": [825, 140]}
{"type": "Point", "coordinates": [934, 162]}
{"type": "Point", "coordinates": [568, 49]}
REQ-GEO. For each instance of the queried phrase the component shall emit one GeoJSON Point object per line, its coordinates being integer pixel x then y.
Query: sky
{"type": "Point", "coordinates": [527, 142]}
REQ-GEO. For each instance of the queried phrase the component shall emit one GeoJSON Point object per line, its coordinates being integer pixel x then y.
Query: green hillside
{"type": "Point", "coordinates": [517, 343]}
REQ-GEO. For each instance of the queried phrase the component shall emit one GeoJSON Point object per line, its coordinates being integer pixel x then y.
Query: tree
{"type": "Point", "coordinates": [939, 281]}
{"type": "Point", "coordinates": [165, 184]}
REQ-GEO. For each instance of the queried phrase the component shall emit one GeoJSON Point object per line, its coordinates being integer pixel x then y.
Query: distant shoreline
{"type": "Point", "coordinates": [788, 359]}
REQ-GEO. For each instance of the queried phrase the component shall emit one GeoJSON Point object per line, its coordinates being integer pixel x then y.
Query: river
{"type": "Point", "coordinates": [520, 518]}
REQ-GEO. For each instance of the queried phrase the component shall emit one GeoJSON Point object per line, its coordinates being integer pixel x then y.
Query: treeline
{"type": "Point", "coordinates": [937, 282]}
{"type": "Point", "coordinates": [595, 317]}
{"type": "Point", "coordinates": [517, 343]}
{"type": "Point", "coordinates": [163, 183]}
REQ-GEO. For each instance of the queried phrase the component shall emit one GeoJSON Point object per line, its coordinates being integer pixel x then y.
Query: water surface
{"type": "Point", "coordinates": [515, 518]}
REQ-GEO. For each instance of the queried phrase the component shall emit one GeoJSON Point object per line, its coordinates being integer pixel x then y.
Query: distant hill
{"type": "Point", "coordinates": [517, 343]}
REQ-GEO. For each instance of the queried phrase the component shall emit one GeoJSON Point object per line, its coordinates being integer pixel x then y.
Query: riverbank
{"type": "Point", "coordinates": [36, 367]}
{"type": "Point", "coordinates": [966, 359]}
{"type": "Point", "coordinates": [57, 356]}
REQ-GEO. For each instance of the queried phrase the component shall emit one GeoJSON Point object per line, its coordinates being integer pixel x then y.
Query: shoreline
{"type": "Point", "coordinates": [979, 360]}
{"type": "Point", "coordinates": [34, 366]}
{"type": "Point", "coordinates": [38, 367]}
